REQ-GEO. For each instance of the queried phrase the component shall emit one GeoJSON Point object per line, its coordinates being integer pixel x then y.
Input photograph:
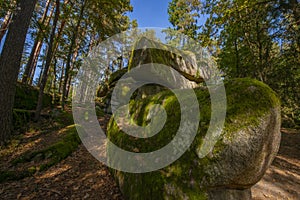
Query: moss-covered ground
{"type": "Point", "coordinates": [41, 146]}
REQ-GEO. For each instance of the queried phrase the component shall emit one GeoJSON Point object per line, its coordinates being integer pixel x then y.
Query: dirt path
{"type": "Point", "coordinates": [81, 176]}
{"type": "Point", "coordinates": [282, 180]}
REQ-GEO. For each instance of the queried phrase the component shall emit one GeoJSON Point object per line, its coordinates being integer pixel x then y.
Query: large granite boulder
{"type": "Point", "coordinates": [247, 146]}
{"type": "Point", "coordinates": [154, 54]}
{"type": "Point", "coordinates": [148, 51]}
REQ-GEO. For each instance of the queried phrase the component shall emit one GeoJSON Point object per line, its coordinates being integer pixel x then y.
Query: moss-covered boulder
{"type": "Point", "coordinates": [154, 54]}
{"type": "Point", "coordinates": [146, 51]}
{"type": "Point", "coordinates": [25, 104]}
{"type": "Point", "coordinates": [27, 96]}
{"type": "Point", "coordinates": [246, 147]}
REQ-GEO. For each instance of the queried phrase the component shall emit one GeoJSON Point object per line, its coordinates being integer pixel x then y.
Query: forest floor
{"type": "Point", "coordinates": [81, 176]}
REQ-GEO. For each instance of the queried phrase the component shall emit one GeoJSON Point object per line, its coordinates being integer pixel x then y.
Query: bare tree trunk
{"type": "Point", "coordinates": [47, 66]}
{"type": "Point", "coordinates": [36, 49]}
{"type": "Point", "coordinates": [74, 57]}
{"type": "Point", "coordinates": [70, 53]}
{"type": "Point", "coordinates": [56, 43]}
{"type": "Point", "coordinates": [10, 60]}
{"type": "Point", "coordinates": [68, 87]}
{"type": "Point", "coordinates": [34, 63]}
{"type": "Point", "coordinates": [61, 79]}
{"type": "Point", "coordinates": [42, 70]}
{"type": "Point", "coordinates": [5, 24]}
{"type": "Point", "coordinates": [54, 81]}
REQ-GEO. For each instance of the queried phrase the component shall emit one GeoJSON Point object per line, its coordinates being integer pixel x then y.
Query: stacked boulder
{"type": "Point", "coordinates": [249, 141]}
{"type": "Point", "coordinates": [149, 52]}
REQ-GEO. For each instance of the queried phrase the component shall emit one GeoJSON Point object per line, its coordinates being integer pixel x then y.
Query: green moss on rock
{"type": "Point", "coordinates": [27, 96]}
{"type": "Point", "coordinates": [249, 102]}
{"type": "Point", "coordinates": [147, 51]}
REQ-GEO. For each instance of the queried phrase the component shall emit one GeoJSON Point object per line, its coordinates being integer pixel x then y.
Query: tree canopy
{"type": "Point", "coordinates": [258, 39]}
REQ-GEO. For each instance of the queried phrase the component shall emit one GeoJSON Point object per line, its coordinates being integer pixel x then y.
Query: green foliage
{"type": "Point", "coordinates": [61, 149]}
{"type": "Point", "coordinates": [6, 5]}
{"type": "Point", "coordinates": [257, 39]}
{"type": "Point", "coordinates": [184, 15]}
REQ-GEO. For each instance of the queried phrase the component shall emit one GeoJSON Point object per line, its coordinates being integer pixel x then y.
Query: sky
{"type": "Point", "coordinates": [150, 13]}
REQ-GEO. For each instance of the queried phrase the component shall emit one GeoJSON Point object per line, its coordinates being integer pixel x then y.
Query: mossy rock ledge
{"type": "Point", "coordinates": [147, 51]}
{"type": "Point", "coordinates": [152, 54]}
{"type": "Point", "coordinates": [242, 154]}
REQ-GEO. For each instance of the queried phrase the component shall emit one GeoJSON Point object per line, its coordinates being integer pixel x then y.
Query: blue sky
{"type": "Point", "coordinates": [150, 13]}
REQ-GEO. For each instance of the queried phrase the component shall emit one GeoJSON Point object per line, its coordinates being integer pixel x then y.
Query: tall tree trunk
{"type": "Point", "coordinates": [5, 24]}
{"type": "Point", "coordinates": [34, 63]}
{"type": "Point", "coordinates": [36, 49]}
{"type": "Point", "coordinates": [74, 57]}
{"type": "Point", "coordinates": [42, 70]}
{"type": "Point", "coordinates": [58, 36]}
{"type": "Point", "coordinates": [26, 79]}
{"type": "Point", "coordinates": [10, 60]}
{"type": "Point", "coordinates": [54, 81]}
{"type": "Point", "coordinates": [62, 26]}
{"type": "Point", "coordinates": [56, 44]}
{"type": "Point", "coordinates": [61, 78]}
{"type": "Point", "coordinates": [70, 53]}
{"type": "Point", "coordinates": [47, 65]}
{"type": "Point", "coordinates": [68, 87]}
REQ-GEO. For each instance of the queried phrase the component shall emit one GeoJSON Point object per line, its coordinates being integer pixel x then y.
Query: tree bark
{"type": "Point", "coordinates": [74, 57]}
{"type": "Point", "coordinates": [61, 79]}
{"type": "Point", "coordinates": [36, 49]}
{"type": "Point", "coordinates": [42, 69]}
{"type": "Point", "coordinates": [10, 60]}
{"type": "Point", "coordinates": [54, 81]}
{"type": "Point", "coordinates": [47, 65]}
